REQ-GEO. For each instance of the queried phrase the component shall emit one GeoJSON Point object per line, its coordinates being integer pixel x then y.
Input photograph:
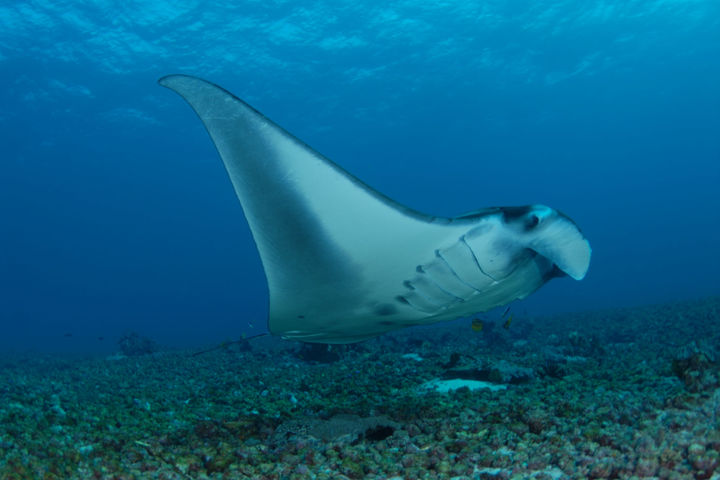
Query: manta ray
{"type": "Point", "coordinates": [344, 262]}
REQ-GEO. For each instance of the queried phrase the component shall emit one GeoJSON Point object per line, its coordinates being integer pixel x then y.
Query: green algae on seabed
{"type": "Point", "coordinates": [613, 395]}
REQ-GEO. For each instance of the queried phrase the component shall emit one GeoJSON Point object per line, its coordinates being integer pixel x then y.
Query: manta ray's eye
{"type": "Point", "coordinates": [532, 221]}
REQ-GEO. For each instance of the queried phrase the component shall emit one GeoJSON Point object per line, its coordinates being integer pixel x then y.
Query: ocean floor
{"type": "Point", "coordinates": [627, 393]}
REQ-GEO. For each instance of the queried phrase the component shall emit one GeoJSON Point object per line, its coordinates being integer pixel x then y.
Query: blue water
{"type": "Point", "coordinates": [117, 215]}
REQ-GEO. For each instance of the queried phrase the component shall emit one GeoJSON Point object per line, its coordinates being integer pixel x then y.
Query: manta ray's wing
{"type": "Point", "coordinates": [343, 262]}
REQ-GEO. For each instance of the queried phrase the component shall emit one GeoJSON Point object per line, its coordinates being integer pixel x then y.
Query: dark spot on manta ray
{"type": "Point", "coordinates": [385, 310]}
{"type": "Point", "coordinates": [514, 213]}
{"type": "Point", "coordinates": [402, 300]}
{"type": "Point", "coordinates": [387, 323]}
{"type": "Point", "coordinates": [301, 316]}
{"type": "Point", "coordinates": [521, 214]}
{"type": "Point", "coordinates": [531, 222]}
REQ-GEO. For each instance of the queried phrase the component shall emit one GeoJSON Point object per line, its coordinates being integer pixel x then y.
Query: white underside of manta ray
{"type": "Point", "coordinates": [344, 262]}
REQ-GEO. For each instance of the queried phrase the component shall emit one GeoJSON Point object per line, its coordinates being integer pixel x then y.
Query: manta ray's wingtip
{"type": "Point", "coordinates": [164, 80]}
{"type": "Point", "coordinates": [174, 79]}
{"type": "Point", "coordinates": [167, 80]}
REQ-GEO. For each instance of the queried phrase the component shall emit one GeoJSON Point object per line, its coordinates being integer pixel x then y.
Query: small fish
{"type": "Point", "coordinates": [67, 335]}
{"type": "Point", "coordinates": [101, 338]}
{"type": "Point", "coordinates": [507, 323]}
{"type": "Point", "coordinates": [477, 325]}
{"type": "Point", "coordinates": [506, 311]}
